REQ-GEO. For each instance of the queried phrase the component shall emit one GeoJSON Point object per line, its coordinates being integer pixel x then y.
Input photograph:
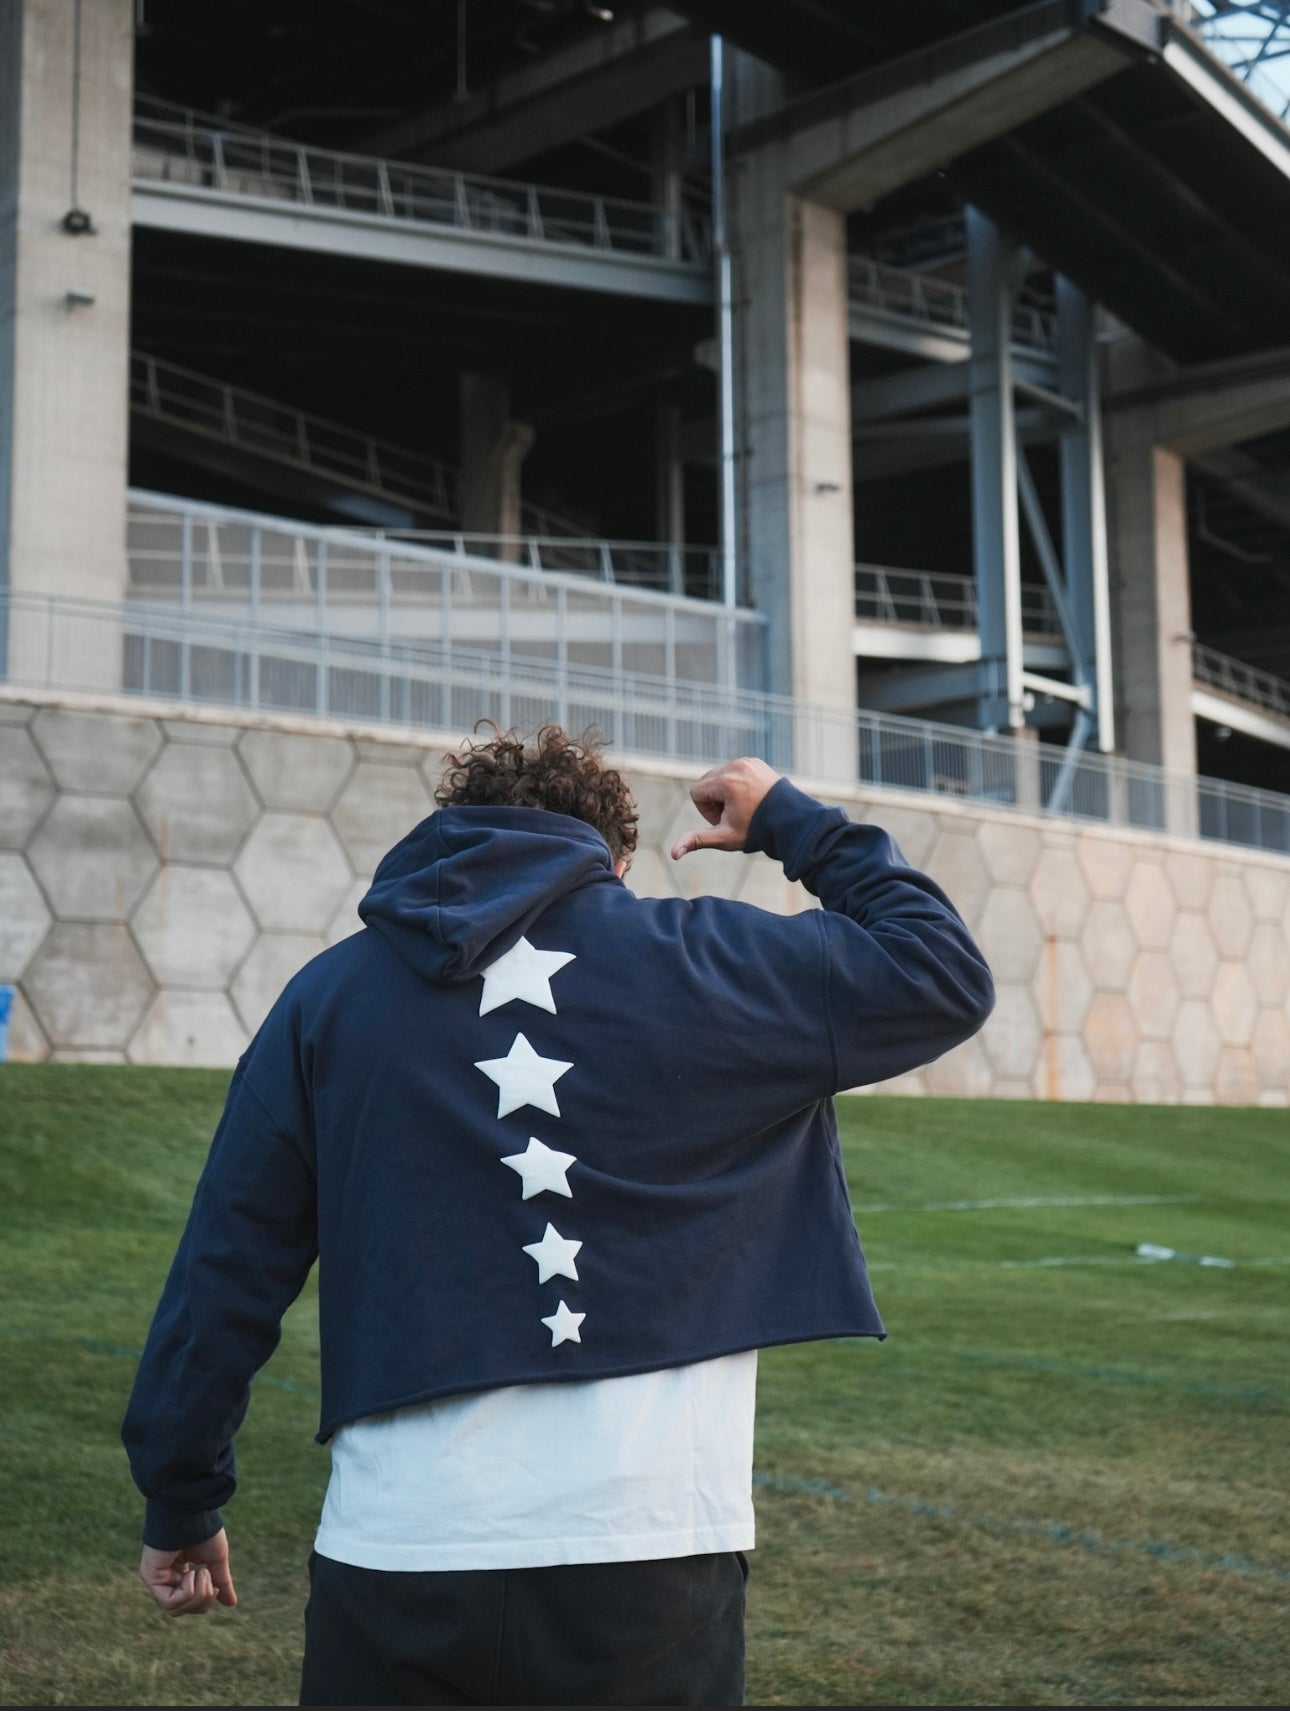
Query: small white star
{"type": "Point", "coordinates": [524, 973]}
{"type": "Point", "coordinates": [554, 1255]}
{"type": "Point", "coordinates": [524, 1078]}
{"type": "Point", "coordinates": [564, 1326]}
{"type": "Point", "coordinates": [542, 1168]}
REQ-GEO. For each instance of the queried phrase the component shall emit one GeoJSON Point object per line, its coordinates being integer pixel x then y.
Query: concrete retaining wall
{"type": "Point", "coordinates": [164, 871]}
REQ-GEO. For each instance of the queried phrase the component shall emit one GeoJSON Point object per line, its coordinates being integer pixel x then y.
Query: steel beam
{"type": "Point", "coordinates": [907, 691]}
{"type": "Point", "coordinates": [996, 534]}
{"type": "Point", "coordinates": [932, 384]}
{"type": "Point", "coordinates": [1084, 536]}
{"type": "Point", "coordinates": [858, 140]}
{"type": "Point", "coordinates": [1217, 709]}
{"type": "Point", "coordinates": [943, 647]}
{"type": "Point", "coordinates": [1196, 68]}
{"type": "Point", "coordinates": [600, 80]}
{"type": "Point", "coordinates": [212, 213]}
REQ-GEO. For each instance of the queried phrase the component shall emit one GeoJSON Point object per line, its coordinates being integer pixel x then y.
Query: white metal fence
{"type": "Point", "coordinates": [191, 656]}
{"type": "Point", "coordinates": [602, 604]}
{"type": "Point", "coordinates": [175, 146]}
{"type": "Point", "coordinates": [941, 600]}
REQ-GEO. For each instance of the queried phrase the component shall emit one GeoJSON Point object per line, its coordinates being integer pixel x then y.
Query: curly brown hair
{"type": "Point", "coordinates": [558, 772]}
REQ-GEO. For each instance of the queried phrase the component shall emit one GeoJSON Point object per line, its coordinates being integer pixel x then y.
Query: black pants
{"type": "Point", "coordinates": [631, 1633]}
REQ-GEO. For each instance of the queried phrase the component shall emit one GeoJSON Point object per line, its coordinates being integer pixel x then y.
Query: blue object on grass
{"type": "Point", "coordinates": [6, 1005]}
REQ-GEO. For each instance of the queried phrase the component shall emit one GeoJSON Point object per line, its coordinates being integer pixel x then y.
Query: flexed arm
{"type": "Point", "coordinates": [904, 979]}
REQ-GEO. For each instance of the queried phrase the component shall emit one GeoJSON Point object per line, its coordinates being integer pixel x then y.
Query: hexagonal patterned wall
{"type": "Point", "coordinates": [161, 878]}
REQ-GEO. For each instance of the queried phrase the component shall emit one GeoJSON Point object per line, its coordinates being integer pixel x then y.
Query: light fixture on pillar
{"type": "Point", "coordinates": [604, 13]}
{"type": "Point", "coordinates": [828, 487]}
{"type": "Point", "coordinates": [1223, 734]}
{"type": "Point", "coordinates": [79, 298]}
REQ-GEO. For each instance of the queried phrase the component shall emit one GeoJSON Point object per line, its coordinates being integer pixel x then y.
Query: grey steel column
{"type": "Point", "coordinates": [1084, 540]}
{"type": "Point", "coordinates": [725, 327]}
{"type": "Point", "coordinates": [996, 535]}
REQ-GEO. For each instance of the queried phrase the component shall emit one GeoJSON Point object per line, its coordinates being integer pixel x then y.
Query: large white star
{"type": "Point", "coordinates": [524, 973]}
{"type": "Point", "coordinates": [564, 1326]}
{"type": "Point", "coordinates": [554, 1255]}
{"type": "Point", "coordinates": [542, 1168]}
{"type": "Point", "coordinates": [524, 1078]}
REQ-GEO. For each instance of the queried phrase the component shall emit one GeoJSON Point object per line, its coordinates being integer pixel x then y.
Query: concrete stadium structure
{"type": "Point", "coordinates": [164, 870]}
{"type": "Point", "coordinates": [900, 392]}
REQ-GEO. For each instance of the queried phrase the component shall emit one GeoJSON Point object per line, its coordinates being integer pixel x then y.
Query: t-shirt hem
{"type": "Point", "coordinates": [535, 1553]}
{"type": "Point", "coordinates": [332, 1423]}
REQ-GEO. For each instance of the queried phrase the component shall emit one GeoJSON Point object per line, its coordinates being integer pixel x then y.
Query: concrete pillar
{"type": "Point", "coordinates": [666, 167]}
{"type": "Point", "coordinates": [493, 449]}
{"type": "Point", "coordinates": [1151, 603]}
{"type": "Point", "coordinates": [64, 330]}
{"type": "Point", "coordinates": [793, 415]}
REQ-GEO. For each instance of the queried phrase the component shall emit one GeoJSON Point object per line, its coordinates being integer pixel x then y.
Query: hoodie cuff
{"type": "Point", "coordinates": [169, 1529]}
{"type": "Point", "coordinates": [787, 825]}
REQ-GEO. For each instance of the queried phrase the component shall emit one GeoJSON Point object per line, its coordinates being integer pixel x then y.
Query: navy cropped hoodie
{"type": "Point", "coordinates": [535, 1128]}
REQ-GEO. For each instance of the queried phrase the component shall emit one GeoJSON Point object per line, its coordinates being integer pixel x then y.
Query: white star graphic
{"type": "Point", "coordinates": [524, 1078]}
{"type": "Point", "coordinates": [554, 1255]}
{"type": "Point", "coordinates": [564, 1326]}
{"type": "Point", "coordinates": [542, 1168]}
{"type": "Point", "coordinates": [524, 973]}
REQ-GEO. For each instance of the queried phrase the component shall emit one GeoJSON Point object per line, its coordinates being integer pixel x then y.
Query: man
{"type": "Point", "coordinates": [568, 1159]}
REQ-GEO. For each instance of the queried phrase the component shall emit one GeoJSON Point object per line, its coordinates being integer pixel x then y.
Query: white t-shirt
{"type": "Point", "coordinates": [614, 1470]}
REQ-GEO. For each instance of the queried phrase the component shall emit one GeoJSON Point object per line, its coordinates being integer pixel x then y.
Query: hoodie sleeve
{"type": "Point", "coordinates": [244, 1257]}
{"type": "Point", "coordinates": [903, 979]}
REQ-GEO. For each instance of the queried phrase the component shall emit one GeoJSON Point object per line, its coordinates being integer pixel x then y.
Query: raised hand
{"type": "Point", "coordinates": [727, 797]}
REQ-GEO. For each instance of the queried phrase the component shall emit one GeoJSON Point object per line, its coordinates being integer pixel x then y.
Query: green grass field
{"type": "Point", "coordinates": [1055, 1484]}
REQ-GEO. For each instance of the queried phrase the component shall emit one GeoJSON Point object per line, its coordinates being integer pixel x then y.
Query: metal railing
{"type": "Point", "coordinates": [941, 600]}
{"type": "Point", "coordinates": [584, 601]}
{"type": "Point", "coordinates": [221, 553]}
{"type": "Point", "coordinates": [1242, 682]}
{"type": "Point", "coordinates": [180, 397]}
{"type": "Point", "coordinates": [176, 146]}
{"type": "Point", "coordinates": [938, 304]}
{"type": "Point", "coordinates": [668, 568]}
{"type": "Point", "coordinates": [265, 427]}
{"type": "Point", "coordinates": [61, 644]}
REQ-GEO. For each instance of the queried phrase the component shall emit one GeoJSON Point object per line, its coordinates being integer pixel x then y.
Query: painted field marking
{"type": "Point", "coordinates": [1055, 1261]}
{"type": "Point", "coordinates": [96, 1346]}
{"type": "Point", "coordinates": [1036, 1201]}
{"type": "Point", "coordinates": [1057, 1532]}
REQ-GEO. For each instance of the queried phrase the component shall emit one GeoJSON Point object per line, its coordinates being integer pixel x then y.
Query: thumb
{"type": "Point", "coordinates": [719, 837]}
{"type": "Point", "coordinates": [214, 1557]}
{"type": "Point", "coordinates": [222, 1578]}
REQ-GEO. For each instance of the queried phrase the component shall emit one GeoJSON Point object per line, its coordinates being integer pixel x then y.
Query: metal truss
{"type": "Point", "coordinates": [1251, 36]}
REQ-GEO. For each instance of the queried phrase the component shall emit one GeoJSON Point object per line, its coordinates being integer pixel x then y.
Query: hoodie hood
{"type": "Point", "coordinates": [466, 884]}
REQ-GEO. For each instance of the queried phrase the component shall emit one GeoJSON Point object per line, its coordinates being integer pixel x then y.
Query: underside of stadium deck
{"type": "Point", "coordinates": [867, 379]}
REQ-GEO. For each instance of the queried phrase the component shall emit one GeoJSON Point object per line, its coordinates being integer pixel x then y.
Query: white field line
{"type": "Point", "coordinates": [1030, 1201]}
{"type": "Point", "coordinates": [1205, 1263]}
{"type": "Point", "coordinates": [1057, 1261]}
